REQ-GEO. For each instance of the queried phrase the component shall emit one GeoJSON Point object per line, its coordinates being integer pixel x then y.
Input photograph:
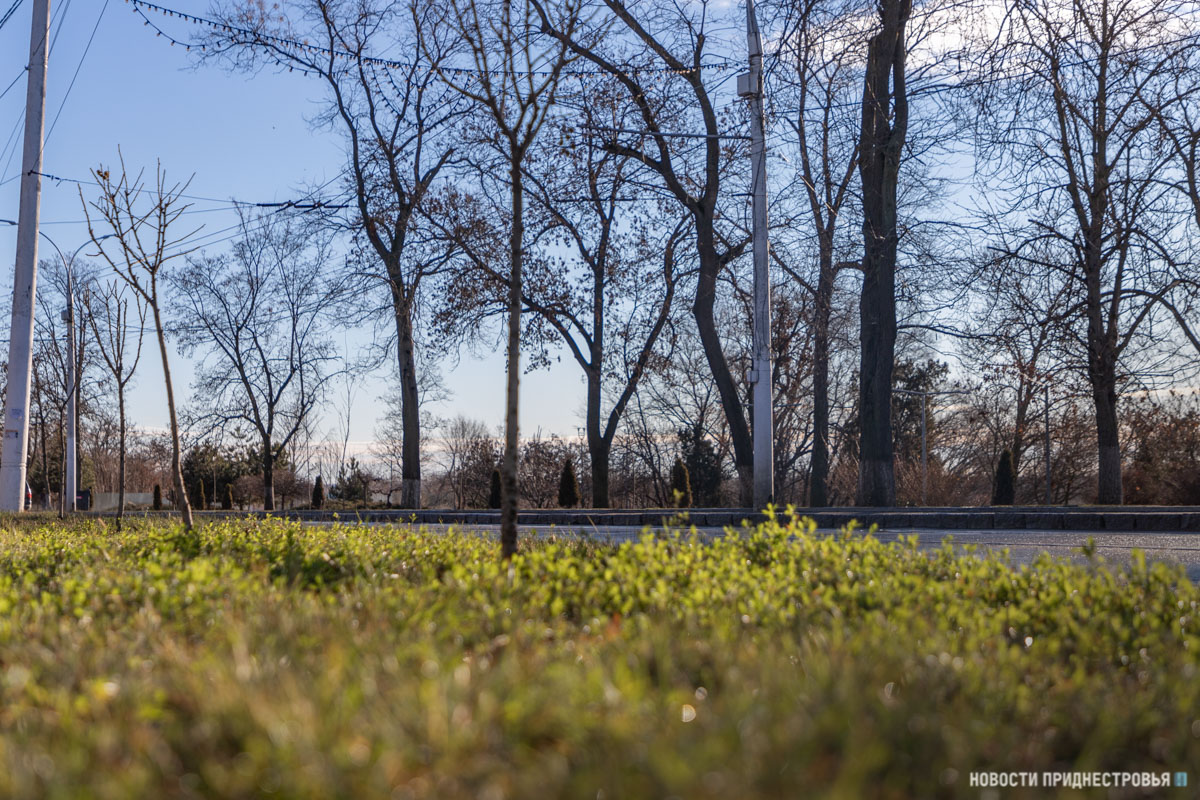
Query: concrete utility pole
{"type": "Point", "coordinates": [1046, 388]}
{"type": "Point", "coordinates": [750, 86]}
{"type": "Point", "coordinates": [71, 467]}
{"type": "Point", "coordinates": [15, 448]}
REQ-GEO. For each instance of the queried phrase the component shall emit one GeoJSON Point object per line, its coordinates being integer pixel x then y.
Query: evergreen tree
{"type": "Point", "coordinates": [1006, 481]}
{"type": "Point", "coordinates": [703, 467]}
{"type": "Point", "coordinates": [494, 493]}
{"type": "Point", "coordinates": [157, 497]}
{"type": "Point", "coordinates": [681, 484]}
{"type": "Point", "coordinates": [568, 486]}
{"type": "Point", "coordinates": [318, 494]}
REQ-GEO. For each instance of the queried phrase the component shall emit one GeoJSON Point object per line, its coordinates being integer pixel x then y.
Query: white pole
{"type": "Point", "coordinates": [924, 455]}
{"type": "Point", "coordinates": [751, 86]}
{"type": "Point", "coordinates": [72, 489]}
{"type": "Point", "coordinates": [15, 448]}
{"type": "Point", "coordinates": [1047, 453]}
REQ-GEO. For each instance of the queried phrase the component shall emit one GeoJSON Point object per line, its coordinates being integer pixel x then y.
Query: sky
{"type": "Point", "coordinates": [112, 82]}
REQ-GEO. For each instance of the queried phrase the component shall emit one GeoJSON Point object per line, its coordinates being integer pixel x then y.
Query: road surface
{"type": "Point", "coordinates": [1023, 545]}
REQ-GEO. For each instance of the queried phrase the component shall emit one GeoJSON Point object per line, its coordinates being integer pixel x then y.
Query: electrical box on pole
{"type": "Point", "coordinates": [15, 448]}
{"type": "Point", "coordinates": [750, 86]}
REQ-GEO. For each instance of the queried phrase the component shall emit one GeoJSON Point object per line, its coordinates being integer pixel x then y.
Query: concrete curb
{"type": "Point", "coordinates": [1088, 518]}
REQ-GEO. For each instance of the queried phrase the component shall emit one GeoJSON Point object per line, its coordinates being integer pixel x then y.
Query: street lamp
{"type": "Point", "coordinates": [924, 447]}
{"type": "Point", "coordinates": [70, 468]}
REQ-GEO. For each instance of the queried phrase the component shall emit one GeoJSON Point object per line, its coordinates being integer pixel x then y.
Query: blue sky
{"type": "Point", "coordinates": [238, 136]}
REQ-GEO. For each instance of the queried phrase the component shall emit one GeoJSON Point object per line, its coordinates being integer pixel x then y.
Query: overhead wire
{"type": "Point", "coordinates": [11, 10]}
{"type": "Point", "coordinates": [60, 14]}
{"type": "Point", "coordinates": [78, 67]}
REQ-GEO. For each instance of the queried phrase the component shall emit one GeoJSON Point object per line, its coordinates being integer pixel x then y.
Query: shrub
{"type": "Point", "coordinates": [494, 491]}
{"type": "Point", "coordinates": [157, 498]}
{"type": "Point", "coordinates": [347, 661]}
{"type": "Point", "coordinates": [568, 486]}
{"type": "Point", "coordinates": [681, 484]}
{"type": "Point", "coordinates": [1006, 481]}
{"type": "Point", "coordinates": [318, 493]}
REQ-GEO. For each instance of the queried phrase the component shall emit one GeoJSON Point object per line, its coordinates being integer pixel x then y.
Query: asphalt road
{"type": "Point", "coordinates": [1023, 545]}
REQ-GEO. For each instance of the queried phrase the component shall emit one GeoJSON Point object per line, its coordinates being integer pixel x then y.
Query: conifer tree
{"type": "Point", "coordinates": [568, 486]}
{"type": "Point", "coordinates": [1006, 481]}
{"type": "Point", "coordinates": [681, 484]}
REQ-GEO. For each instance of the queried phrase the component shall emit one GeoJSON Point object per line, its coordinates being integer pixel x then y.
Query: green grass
{"type": "Point", "coordinates": [267, 659]}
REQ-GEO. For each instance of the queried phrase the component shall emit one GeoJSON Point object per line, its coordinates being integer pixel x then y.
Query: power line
{"type": "Point", "coordinates": [78, 67]}
{"type": "Point", "coordinates": [60, 14]}
{"type": "Point", "coordinates": [12, 9]}
{"type": "Point", "coordinates": [307, 203]}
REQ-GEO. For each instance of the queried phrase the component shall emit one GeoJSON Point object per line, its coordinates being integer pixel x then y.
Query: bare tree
{"type": "Point", "coordinates": [884, 127]}
{"type": "Point", "coordinates": [397, 119]}
{"type": "Point", "coordinates": [819, 72]}
{"type": "Point", "coordinates": [262, 317]}
{"type": "Point", "coordinates": [683, 139]}
{"type": "Point", "coordinates": [108, 307]}
{"type": "Point", "coordinates": [603, 284]}
{"type": "Point", "coordinates": [512, 77]}
{"type": "Point", "coordinates": [1073, 128]}
{"type": "Point", "coordinates": [140, 220]}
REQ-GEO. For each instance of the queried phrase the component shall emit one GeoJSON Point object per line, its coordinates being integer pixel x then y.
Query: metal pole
{"type": "Point", "coordinates": [924, 456]}
{"type": "Point", "coordinates": [1048, 495]}
{"type": "Point", "coordinates": [15, 448]}
{"type": "Point", "coordinates": [71, 489]}
{"type": "Point", "coordinates": [750, 85]}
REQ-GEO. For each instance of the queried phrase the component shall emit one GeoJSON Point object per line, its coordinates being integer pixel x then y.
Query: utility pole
{"type": "Point", "coordinates": [15, 448]}
{"type": "Point", "coordinates": [750, 86]}
{"type": "Point", "coordinates": [70, 485]}
{"type": "Point", "coordinates": [1046, 388]}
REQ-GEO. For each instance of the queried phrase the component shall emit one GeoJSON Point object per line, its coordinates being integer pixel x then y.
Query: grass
{"type": "Point", "coordinates": [269, 659]}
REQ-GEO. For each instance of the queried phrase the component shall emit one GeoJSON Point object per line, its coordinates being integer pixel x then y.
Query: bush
{"type": "Point", "coordinates": [568, 486]}
{"type": "Point", "coordinates": [494, 493]}
{"type": "Point", "coordinates": [681, 484]}
{"type": "Point", "coordinates": [318, 493]}
{"type": "Point", "coordinates": [157, 497]}
{"type": "Point", "coordinates": [1006, 481]}
{"type": "Point", "coordinates": [772, 662]}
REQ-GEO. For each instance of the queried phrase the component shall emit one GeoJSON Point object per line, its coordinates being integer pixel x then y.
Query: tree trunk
{"type": "Point", "coordinates": [268, 465]}
{"type": "Point", "coordinates": [181, 502]}
{"type": "Point", "coordinates": [1110, 490]}
{"type": "Point", "coordinates": [1102, 373]}
{"type": "Point", "coordinates": [597, 447]}
{"type": "Point", "coordinates": [884, 126]}
{"type": "Point", "coordinates": [410, 412]}
{"type": "Point", "coordinates": [818, 492]}
{"type": "Point", "coordinates": [121, 451]}
{"type": "Point", "coordinates": [600, 452]}
{"type": "Point", "coordinates": [508, 465]}
{"type": "Point", "coordinates": [731, 403]}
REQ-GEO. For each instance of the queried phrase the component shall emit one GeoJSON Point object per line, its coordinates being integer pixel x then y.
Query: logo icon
{"type": "Point", "coordinates": [1180, 779]}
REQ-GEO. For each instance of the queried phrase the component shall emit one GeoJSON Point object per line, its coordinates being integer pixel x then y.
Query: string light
{"type": "Point", "coordinates": [249, 36]}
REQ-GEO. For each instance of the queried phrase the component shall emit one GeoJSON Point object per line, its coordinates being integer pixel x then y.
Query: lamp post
{"type": "Point", "coordinates": [924, 446]}
{"type": "Point", "coordinates": [70, 467]}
